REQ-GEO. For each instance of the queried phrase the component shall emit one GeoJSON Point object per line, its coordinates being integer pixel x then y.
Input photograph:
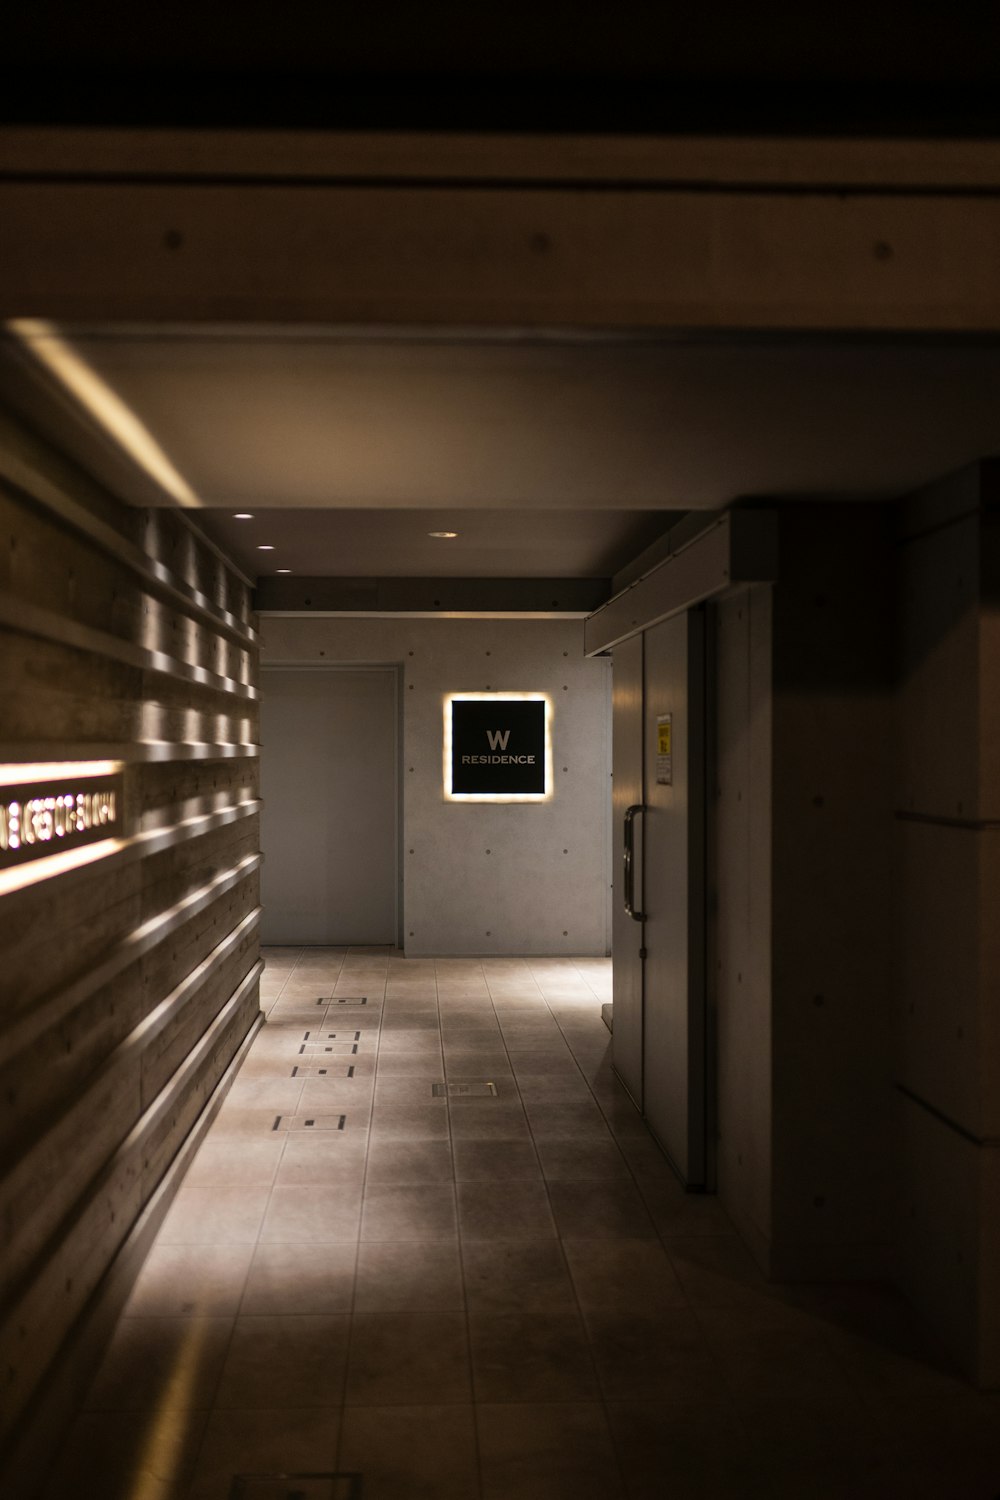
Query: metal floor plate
{"type": "Point", "coordinates": [464, 1090]}
{"type": "Point", "coordinates": [309, 1122]}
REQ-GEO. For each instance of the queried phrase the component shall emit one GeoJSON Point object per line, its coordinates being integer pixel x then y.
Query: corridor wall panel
{"type": "Point", "coordinates": [834, 679]}
{"type": "Point", "coordinates": [486, 877]}
{"type": "Point", "coordinates": [947, 1013]}
{"type": "Point", "coordinates": [130, 965]}
{"type": "Point", "coordinates": [742, 909]}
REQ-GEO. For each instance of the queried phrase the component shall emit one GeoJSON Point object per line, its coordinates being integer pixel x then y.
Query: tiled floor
{"type": "Point", "coordinates": [481, 1298]}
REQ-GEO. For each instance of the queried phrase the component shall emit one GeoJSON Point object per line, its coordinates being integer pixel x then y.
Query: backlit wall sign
{"type": "Point", "coordinates": [497, 747]}
{"type": "Point", "coordinates": [53, 808]}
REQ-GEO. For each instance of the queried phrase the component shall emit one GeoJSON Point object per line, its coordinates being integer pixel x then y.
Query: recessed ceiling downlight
{"type": "Point", "coordinates": [444, 535]}
{"type": "Point", "coordinates": [243, 515]}
{"type": "Point", "coordinates": [265, 547]}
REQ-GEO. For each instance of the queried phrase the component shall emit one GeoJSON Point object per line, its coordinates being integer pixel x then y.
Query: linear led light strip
{"type": "Point", "coordinates": [451, 796]}
{"type": "Point", "coordinates": [44, 343]}
{"type": "Point", "coordinates": [22, 773]}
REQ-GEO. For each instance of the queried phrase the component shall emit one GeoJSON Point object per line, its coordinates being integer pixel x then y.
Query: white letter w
{"type": "Point", "coordinates": [498, 738]}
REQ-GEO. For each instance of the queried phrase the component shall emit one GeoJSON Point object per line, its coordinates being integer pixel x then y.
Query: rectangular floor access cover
{"type": "Point", "coordinates": [296, 1487]}
{"type": "Point", "coordinates": [464, 1090]}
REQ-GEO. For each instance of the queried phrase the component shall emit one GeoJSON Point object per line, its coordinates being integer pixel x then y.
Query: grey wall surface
{"type": "Point", "coordinates": [802, 830]}
{"type": "Point", "coordinates": [947, 1041]}
{"type": "Point", "coordinates": [833, 770]}
{"type": "Point", "coordinates": [741, 982]}
{"type": "Point", "coordinates": [485, 877]}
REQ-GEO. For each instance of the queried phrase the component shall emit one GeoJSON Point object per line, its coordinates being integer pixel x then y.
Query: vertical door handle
{"type": "Point", "coordinates": [629, 866]}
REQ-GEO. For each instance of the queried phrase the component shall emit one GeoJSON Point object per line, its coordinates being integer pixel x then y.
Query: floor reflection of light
{"type": "Point", "coordinates": [176, 1401]}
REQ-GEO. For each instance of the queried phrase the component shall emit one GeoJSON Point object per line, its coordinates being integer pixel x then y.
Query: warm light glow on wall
{"type": "Point", "coordinates": [104, 405]}
{"type": "Point", "coordinates": [452, 796]}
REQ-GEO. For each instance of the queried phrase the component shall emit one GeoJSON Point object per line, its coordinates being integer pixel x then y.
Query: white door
{"type": "Point", "coordinates": [329, 772]}
{"type": "Point", "coordinates": [627, 885]}
{"type": "Point", "coordinates": [659, 759]}
{"type": "Point", "coordinates": [674, 1061]}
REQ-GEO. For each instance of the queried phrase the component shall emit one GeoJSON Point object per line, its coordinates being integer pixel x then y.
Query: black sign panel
{"type": "Point", "coordinates": [498, 747]}
{"type": "Point", "coordinates": [47, 817]}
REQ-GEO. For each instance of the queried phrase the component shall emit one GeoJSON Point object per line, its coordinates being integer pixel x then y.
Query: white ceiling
{"type": "Point", "coordinates": [349, 445]}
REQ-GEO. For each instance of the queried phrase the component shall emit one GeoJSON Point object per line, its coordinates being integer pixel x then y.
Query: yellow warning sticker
{"type": "Point", "coordinates": [664, 750]}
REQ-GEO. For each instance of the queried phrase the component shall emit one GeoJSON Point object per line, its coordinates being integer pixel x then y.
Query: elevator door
{"type": "Point", "coordinates": [674, 891]}
{"type": "Point", "coordinates": [659, 758]}
{"type": "Point", "coordinates": [626, 930]}
{"type": "Point", "coordinates": [329, 773]}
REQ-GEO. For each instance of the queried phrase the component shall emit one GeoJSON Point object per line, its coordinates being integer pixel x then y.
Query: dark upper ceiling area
{"type": "Point", "coordinates": [641, 65]}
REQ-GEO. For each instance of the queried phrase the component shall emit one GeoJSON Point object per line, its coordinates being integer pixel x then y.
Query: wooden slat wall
{"type": "Point", "coordinates": [126, 986]}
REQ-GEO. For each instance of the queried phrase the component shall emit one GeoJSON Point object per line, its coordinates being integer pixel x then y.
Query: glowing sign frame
{"type": "Point", "coordinates": [452, 796]}
{"type": "Point", "coordinates": [51, 810]}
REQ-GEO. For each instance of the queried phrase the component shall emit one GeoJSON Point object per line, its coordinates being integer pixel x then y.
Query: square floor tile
{"type": "Point", "coordinates": [327, 1158]}
{"type": "Point", "coordinates": [169, 1364]}
{"type": "Point", "coordinates": [393, 1090]}
{"type": "Point", "coordinates": [219, 1215]}
{"type": "Point", "coordinates": [490, 1160]}
{"type": "Point", "coordinates": [623, 1275]}
{"type": "Point", "coordinates": [516, 1276]}
{"type": "Point", "coordinates": [408, 1358]}
{"type": "Point", "coordinates": [581, 1161]}
{"type": "Point", "coordinates": [411, 1276]}
{"type": "Point", "coordinates": [611, 1208]}
{"type": "Point", "coordinates": [265, 1440]}
{"type": "Point", "coordinates": [429, 1065]}
{"type": "Point", "coordinates": [412, 1452]}
{"type": "Point", "coordinates": [190, 1281]}
{"type": "Point", "coordinates": [292, 1278]}
{"type": "Point", "coordinates": [554, 1088]}
{"type": "Point", "coordinates": [504, 1210]}
{"type": "Point", "coordinates": [531, 1356]}
{"type": "Point", "coordinates": [151, 1457]}
{"type": "Point", "coordinates": [409, 1122]}
{"type": "Point", "coordinates": [408, 1162]}
{"type": "Point", "coordinates": [396, 1211]}
{"type": "Point", "coordinates": [411, 1039]}
{"type": "Point", "coordinates": [503, 1120]}
{"type": "Point", "coordinates": [312, 1214]}
{"type": "Point", "coordinates": [637, 1353]}
{"type": "Point", "coordinates": [547, 1452]}
{"type": "Point", "coordinates": [673, 1446]}
{"type": "Point", "coordinates": [285, 1360]}
{"type": "Point", "coordinates": [279, 1094]}
{"type": "Point", "coordinates": [575, 1122]}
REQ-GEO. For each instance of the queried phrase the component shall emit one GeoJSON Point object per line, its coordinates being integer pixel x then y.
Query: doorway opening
{"type": "Point", "coordinates": [331, 822]}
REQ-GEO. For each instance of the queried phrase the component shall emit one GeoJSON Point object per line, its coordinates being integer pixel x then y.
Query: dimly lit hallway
{"type": "Point", "coordinates": [504, 1297]}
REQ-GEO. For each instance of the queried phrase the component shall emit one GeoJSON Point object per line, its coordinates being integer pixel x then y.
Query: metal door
{"type": "Point", "coordinates": [626, 931]}
{"type": "Point", "coordinates": [329, 772]}
{"type": "Point", "coordinates": [674, 891]}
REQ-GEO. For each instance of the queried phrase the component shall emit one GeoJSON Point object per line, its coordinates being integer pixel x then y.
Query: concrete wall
{"type": "Point", "coordinates": [834, 1155]}
{"type": "Point", "coordinates": [947, 1053]}
{"type": "Point", "coordinates": [802, 832]}
{"type": "Point", "coordinates": [479, 877]}
{"type": "Point", "coordinates": [740, 913]}
{"type": "Point", "coordinates": [128, 984]}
